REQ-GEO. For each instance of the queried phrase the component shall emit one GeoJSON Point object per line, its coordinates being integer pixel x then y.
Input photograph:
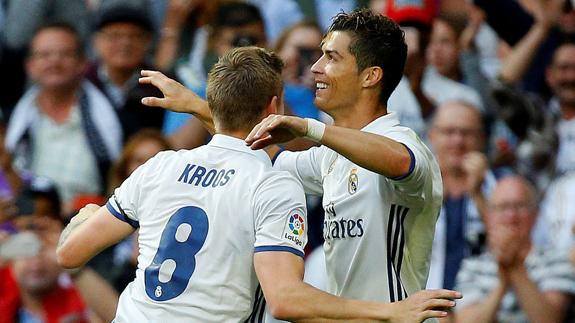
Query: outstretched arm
{"type": "Point", "coordinates": [176, 98]}
{"type": "Point", "coordinates": [377, 153]}
{"type": "Point", "coordinates": [92, 230]}
{"type": "Point", "coordinates": [289, 298]}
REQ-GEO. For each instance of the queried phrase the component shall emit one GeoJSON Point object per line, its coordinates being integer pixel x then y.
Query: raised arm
{"type": "Point", "coordinates": [92, 230]}
{"type": "Point", "coordinates": [519, 59]}
{"type": "Point", "coordinates": [289, 298]}
{"type": "Point", "coordinates": [176, 98]}
{"type": "Point", "coordinates": [377, 153]}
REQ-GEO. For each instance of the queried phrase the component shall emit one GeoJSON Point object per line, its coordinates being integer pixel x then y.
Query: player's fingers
{"type": "Point", "coordinates": [155, 102]}
{"type": "Point", "coordinates": [262, 143]}
{"type": "Point", "coordinates": [264, 126]}
{"type": "Point", "coordinates": [446, 293]}
{"type": "Point", "coordinates": [274, 122]}
{"type": "Point", "coordinates": [252, 135]}
{"type": "Point", "coordinates": [437, 303]}
{"type": "Point", "coordinates": [433, 314]}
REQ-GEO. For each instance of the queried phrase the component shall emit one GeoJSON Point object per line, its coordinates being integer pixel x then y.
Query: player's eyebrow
{"type": "Point", "coordinates": [332, 52]}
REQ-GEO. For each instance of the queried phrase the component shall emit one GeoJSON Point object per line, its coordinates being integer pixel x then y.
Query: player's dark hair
{"type": "Point", "coordinates": [376, 41]}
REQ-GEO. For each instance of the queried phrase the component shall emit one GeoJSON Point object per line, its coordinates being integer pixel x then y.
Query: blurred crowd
{"type": "Point", "coordinates": [489, 86]}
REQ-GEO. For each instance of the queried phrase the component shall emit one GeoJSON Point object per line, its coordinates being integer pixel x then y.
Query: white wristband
{"type": "Point", "coordinates": [315, 129]}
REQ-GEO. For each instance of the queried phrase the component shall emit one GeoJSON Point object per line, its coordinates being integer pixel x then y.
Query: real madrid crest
{"type": "Point", "coordinates": [352, 181]}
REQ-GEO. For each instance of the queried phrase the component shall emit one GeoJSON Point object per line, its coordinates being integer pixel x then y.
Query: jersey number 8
{"type": "Point", "coordinates": [174, 263]}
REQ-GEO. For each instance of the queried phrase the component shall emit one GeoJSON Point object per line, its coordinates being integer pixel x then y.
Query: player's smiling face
{"type": "Point", "coordinates": [336, 76]}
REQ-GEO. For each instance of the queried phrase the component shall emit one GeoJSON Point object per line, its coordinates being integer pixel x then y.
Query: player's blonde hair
{"type": "Point", "coordinates": [241, 85]}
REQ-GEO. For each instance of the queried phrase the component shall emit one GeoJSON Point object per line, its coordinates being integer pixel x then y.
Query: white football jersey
{"type": "Point", "coordinates": [378, 231]}
{"type": "Point", "coordinates": [201, 215]}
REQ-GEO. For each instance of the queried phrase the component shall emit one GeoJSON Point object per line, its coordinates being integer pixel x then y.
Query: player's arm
{"type": "Point", "coordinates": [377, 153]}
{"type": "Point", "coordinates": [290, 298]}
{"type": "Point", "coordinates": [177, 98]}
{"type": "Point", "coordinates": [92, 230]}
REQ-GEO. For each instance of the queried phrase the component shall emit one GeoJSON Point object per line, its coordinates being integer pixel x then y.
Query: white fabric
{"type": "Point", "coordinates": [566, 151]}
{"type": "Point", "coordinates": [61, 153]}
{"type": "Point", "coordinates": [101, 112]}
{"type": "Point", "coordinates": [438, 89]}
{"type": "Point", "coordinates": [557, 215]}
{"type": "Point", "coordinates": [247, 206]}
{"type": "Point", "coordinates": [360, 235]}
{"type": "Point", "coordinates": [441, 89]}
{"type": "Point", "coordinates": [473, 227]}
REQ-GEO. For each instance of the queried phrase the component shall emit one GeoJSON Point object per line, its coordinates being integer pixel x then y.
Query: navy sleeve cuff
{"type": "Point", "coordinates": [277, 155]}
{"type": "Point", "coordinates": [279, 248]}
{"type": "Point", "coordinates": [121, 216]}
{"type": "Point", "coordinates": [411, 165]}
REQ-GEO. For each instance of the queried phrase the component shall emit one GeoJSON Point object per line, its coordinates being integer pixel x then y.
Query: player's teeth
{"type": "Point", "coordinates": [320, 85]}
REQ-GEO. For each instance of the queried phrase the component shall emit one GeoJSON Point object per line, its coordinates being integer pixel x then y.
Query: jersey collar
{"type": "Point", "coordinates": [386, 121]}
{"type": "Point", "coordinates": [232, 143]}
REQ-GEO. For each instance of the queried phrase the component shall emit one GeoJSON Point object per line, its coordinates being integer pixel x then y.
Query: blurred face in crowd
{"type": "Point", "coordinates": [336, 75]}
{"type": "Point", "coordinates": [299, 51]}
{"type": "Point", "coordinates": [455, 131]}
{"type": "Point", "coordinates": [561, 74]}
{"type": "Point", "coordinates": [37, 274]}
{"type": "Point", "coordinates": [142, 152]}
{"type": "Point", "coordinates": [512, 205]}
{"type": "Point", "coordinates": [226, 37]}
{"type": "Point", "coordinates": [55, 59]}
{"type": "Point", "coordinates": [122, 45]}
{"type": "Point", "coordinates": [443, 50]}
{"type": "Point", "coordinates": [567, 19]}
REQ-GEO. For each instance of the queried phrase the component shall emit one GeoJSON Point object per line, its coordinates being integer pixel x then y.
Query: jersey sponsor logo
{"type": "Point", "coordinates": [198, 175]}
{"type": "Point", "coordinates": [294, 228]}
{"type": "Point", "coordinates": [352, 181]}
{"type": "Point", "coordinates": [334, 229]}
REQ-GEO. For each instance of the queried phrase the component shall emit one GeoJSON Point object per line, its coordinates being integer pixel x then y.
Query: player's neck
{"type": "Point", "coordinates": [240, 134]}
{"type": "Point", "coordinates": [359, 116]}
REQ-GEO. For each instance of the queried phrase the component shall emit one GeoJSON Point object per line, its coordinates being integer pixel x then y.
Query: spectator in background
{"type": "Point", "coordinates": [297, 46]}
{"type": "Point", "coordinates": [561, 80]}
{"type": "Point", "coordinates": [122, 39]}
{"type": "Point", "coordinates": [514, 281]}
{"type": "Point", "coordinates": [457, 139]}
{"type": "Point", "coordinates": [63, 128]}
{"type": "Point", "coordinates": [557, 215]}
{"type": "Point", "coordinates": [140, 147]}
{"type": "Point", "coordinates": [23, 18]}
{"type": "Point", "coordinates": [35, 288]}
{"type": "Point", "coordinates": [236, 24]}
{"type": "Point", "coordinates": [562, 15]}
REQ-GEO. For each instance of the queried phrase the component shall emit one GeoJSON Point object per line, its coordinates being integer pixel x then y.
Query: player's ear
{"type": "Point", "coordinates": [275, 106]}
{"type": "Point", "coordinates": [371, 76]}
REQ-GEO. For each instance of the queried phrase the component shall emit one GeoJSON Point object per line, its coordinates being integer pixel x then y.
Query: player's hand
{"type": "Point", "coordinates": [176, 98]}
{"type": "Point", "coordinates": [475, 166]}
{"type": "Point", "coordinates": [423, 305]}
{"type": "Point", "coordinates": [276, 129]}
{"type": "Point", "coordinates": [85, 213]}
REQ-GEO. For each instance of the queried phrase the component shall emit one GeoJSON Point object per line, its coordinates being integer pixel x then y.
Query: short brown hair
{"type": "Point", "coordinates": [241, 84]}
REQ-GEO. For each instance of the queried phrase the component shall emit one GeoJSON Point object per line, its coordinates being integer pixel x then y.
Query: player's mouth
{"type": "Point", "coordinates": [319, 86]}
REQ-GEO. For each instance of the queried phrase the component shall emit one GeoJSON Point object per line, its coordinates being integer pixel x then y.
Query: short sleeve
{"type": "Point", "coordinates": [423, 165]}
{"type": "Point", "coordinates": [280, 215]}
{"type": "Point", "coordinates": [123, 204]}
{"type": "Point", "coordinates": [305, 166]}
